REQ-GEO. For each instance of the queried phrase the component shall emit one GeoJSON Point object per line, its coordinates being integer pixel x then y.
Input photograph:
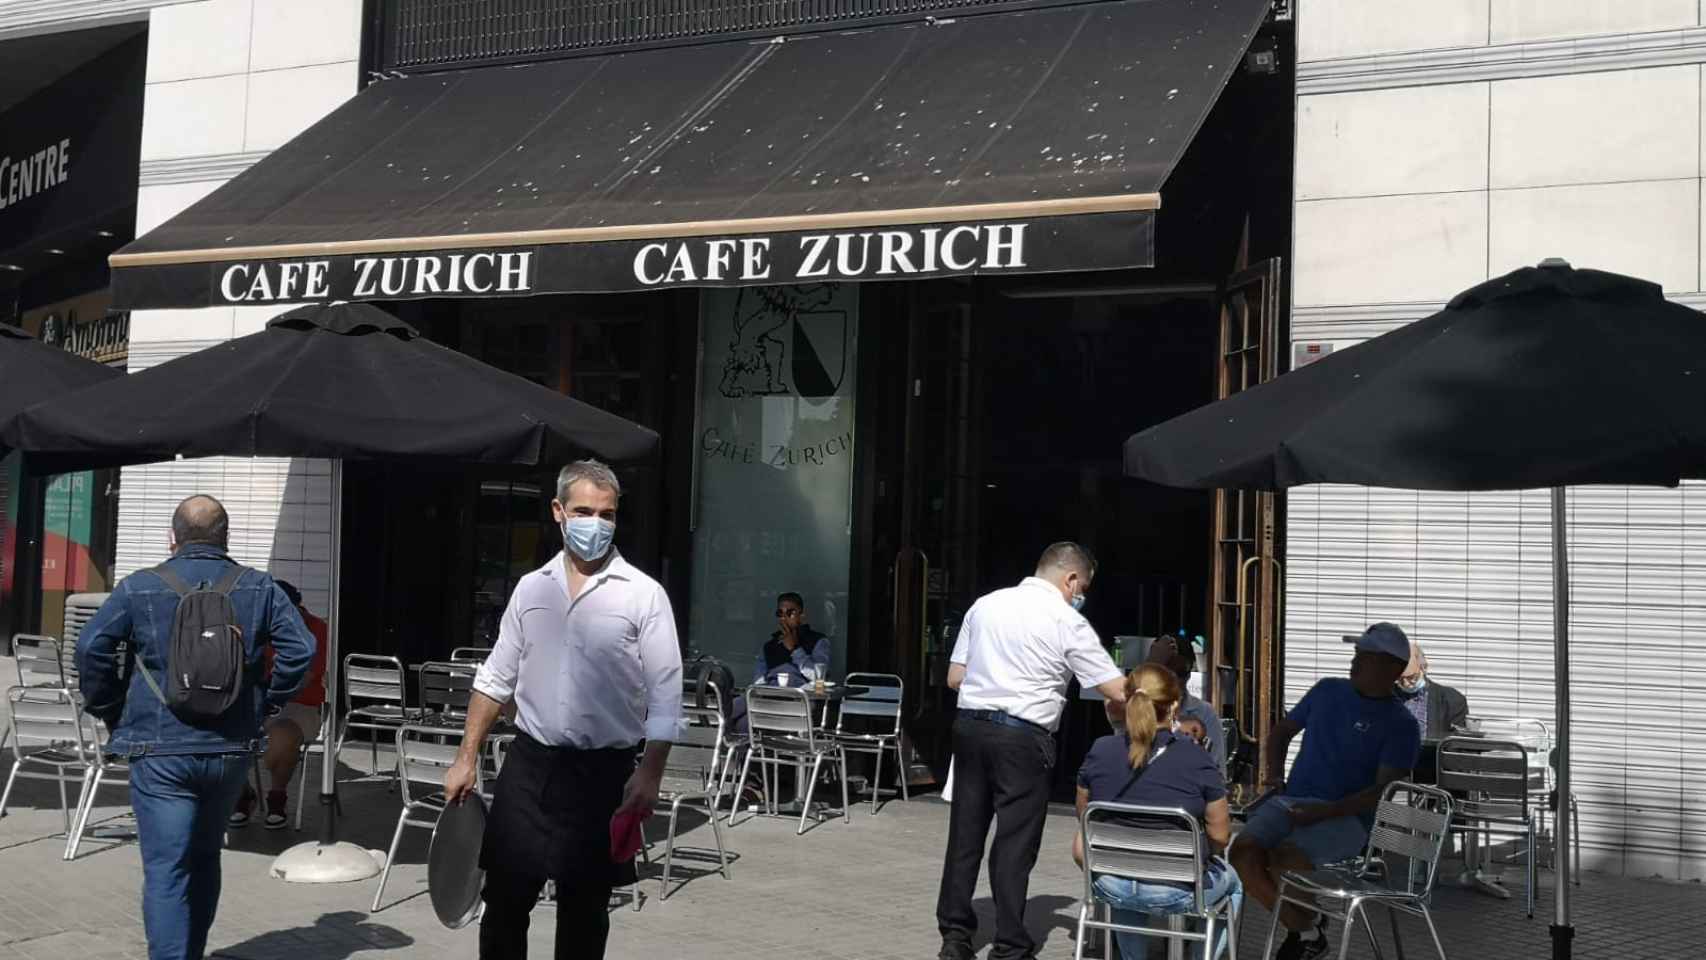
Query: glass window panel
{"type": "Point", "coordinates": [774, 470]}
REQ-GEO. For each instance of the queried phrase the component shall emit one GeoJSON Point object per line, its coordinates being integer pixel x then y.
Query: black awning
{"type": "Point", "coordinates": [1028, 141]}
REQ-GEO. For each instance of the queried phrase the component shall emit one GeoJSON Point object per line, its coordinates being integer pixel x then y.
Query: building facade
{"type": "Point", "coordinates": [899, 471]}
{"type": "Point", "coordinates": [1437, 147]}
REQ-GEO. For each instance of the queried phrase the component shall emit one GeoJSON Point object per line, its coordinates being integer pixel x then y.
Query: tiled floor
{"type": "Point", "coordinates": [864, 889]}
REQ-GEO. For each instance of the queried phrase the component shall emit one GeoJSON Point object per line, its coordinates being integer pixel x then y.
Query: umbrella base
{"type": "Point", "coordinates": [317, 862]}
{"type": "Point", "coordinates": [1561, 937]}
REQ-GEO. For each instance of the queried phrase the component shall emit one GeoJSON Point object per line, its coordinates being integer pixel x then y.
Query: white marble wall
{"type": "Point", "coordinates": [229, 80]}
{"type": "Point", "coordinates": [1412, 193]}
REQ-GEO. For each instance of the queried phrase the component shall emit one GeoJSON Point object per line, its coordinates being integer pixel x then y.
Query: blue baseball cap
{"type": "Point", "coordinates": [1385, 638]}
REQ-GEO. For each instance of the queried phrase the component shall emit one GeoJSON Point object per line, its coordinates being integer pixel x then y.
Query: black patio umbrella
{"type": "Point", "coordinates": [32, 371]}
{"type": "Point", "coordinates": [340, 382]}
{"type": "Point", "coordinates": [1547, 377]}
{"type": "Point", "coordinates": [347, 381]}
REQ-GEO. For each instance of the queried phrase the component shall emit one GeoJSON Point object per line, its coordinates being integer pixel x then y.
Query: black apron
{"type": "Point", "coordinates": [551, 813]}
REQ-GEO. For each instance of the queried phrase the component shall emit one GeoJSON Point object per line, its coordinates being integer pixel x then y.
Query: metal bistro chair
{"type": "Point", "coordinates": [1536, 736]}
{"type": "Point", "coordinates": [470, 654]}
{"type": "Point", "coordinates": [1498, 787]}
{"type": "Point", "coordinates": [782, 733]}
{"type": "Point", "coordinates": [879, 707]}
{"type": "Point", "coordinates": [424, 755]}
{"type": "Point", "coordinates": [445, 690]}
{"type": "Point", "coordinates": [1415, 830]}
{"type": "Point", "coordinates": [735, 744]}
{"type": "Point", "coordinates": [1151, 845]}
{"type": "Point", "coordinates": [40, 661]}
{"type": "Point", "coordinates": [693, 774]}
{"type": "Point", "coordinates": [378, 683]}
{"type": "Point", "coordinates": [48, 730]}
{"type": "Point", "coordinates": [40, 667]}
{"type": "Point", "coordinates": [103, 771]}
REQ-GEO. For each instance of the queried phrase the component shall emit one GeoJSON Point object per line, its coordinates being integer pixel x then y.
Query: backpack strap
{"type": "Point", "coordinates": [148, 675]}
{"type": "Point", "coordinates": [228, 582]}
{"type": "Point", "coordinates": [172, 580]}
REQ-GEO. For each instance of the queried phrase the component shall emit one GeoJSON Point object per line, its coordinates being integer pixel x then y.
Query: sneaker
{"type": "Point", "coordinates": [277, 803]}
{"type": "Point", "coordinates": [1296, 947]}
{"type": "Point", "coordinates": [245, 806]}
{"type": "Point", "coordinates": [751, 795]}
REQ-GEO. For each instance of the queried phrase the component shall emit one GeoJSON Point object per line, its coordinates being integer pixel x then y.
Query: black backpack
{"type": "Point", "coordinates": [205, 655]}
{"type": "Point", "coordinates": [708, 670]}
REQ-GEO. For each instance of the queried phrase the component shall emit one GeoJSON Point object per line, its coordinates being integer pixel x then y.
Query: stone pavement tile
{"type": "Point", "coordinates": [869, 889]}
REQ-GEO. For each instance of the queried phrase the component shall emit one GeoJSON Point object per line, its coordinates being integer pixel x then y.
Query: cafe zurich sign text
{"type": "Point", "coordinates": [1101, 241]}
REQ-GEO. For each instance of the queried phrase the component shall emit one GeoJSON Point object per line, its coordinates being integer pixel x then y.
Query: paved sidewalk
{"type": "Point", "coordinates": [864, 890]}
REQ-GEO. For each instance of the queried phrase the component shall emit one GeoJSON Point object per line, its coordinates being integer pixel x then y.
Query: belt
{"type": "Point", "coordinates": [1006, 720]}
{"type": "Point", "coordinates": [522, 739]}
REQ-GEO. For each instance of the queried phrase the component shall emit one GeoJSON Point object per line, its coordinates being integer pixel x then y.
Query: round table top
{"type": "Point", "coordinates": [833, 691]}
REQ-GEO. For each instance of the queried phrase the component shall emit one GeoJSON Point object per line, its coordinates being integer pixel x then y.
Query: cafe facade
{"type": "Point", "coordinates": [892, 283]}
{"type": "Point", "coordinates": [886, 386]}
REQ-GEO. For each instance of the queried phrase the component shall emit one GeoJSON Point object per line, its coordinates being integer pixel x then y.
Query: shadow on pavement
{"type": "Point", "coordinates": [335, 936]}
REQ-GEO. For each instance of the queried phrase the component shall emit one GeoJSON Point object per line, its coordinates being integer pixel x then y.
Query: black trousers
{"type": "Point", "coordinates": [583, 918]}
{"type": "Point", "coordinates": [1001, 773]}
{"type": "Point", "coordinates": [550, 820]}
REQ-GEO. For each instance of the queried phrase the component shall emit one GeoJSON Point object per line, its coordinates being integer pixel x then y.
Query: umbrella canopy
{"type": "Point", "coordinates": [345, 381]}
{"type": "Point", "coordinates": [32, 371]}
{"type": "Point", "coordinates": [1544, 377]}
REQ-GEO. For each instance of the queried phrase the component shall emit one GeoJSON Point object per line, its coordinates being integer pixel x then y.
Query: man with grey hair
{"type": "Point", "coordinates": [1017, 651]}
{"type": "Point", "coordinates": [587, 653]}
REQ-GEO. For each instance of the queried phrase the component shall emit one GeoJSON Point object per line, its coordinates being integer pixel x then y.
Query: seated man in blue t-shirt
{"type": "Point", "coordinates": [1359, 739]}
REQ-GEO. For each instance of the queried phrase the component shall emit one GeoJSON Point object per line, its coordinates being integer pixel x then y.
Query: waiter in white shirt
{"type": "Point", "coordinates": [1017, 651]}
{"type": "Point", "coordinates": [587, 652]}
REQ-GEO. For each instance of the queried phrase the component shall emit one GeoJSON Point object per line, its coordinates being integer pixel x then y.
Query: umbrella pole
{"type": "Point", "coordinates": [329, 860]}
{"type": "Point", "coordinates": [328, 724]}
{"type": "Point", "coordinates": [1563, 931]}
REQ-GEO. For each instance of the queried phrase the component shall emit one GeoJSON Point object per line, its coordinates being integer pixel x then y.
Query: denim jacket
{"type": "Point", "coordinates": [140, 611]}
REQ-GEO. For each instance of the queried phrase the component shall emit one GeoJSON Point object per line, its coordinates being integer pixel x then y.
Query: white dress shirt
{"type": "Point", "coordinates": [1021, 646]}
{"type": "Point", "coordinates": [602, 670]}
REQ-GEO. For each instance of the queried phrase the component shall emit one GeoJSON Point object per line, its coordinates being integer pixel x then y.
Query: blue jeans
{"type": "Point", "coordinates": [1148, 904]}
{"type": "Point", "coordinates": [181, 803]}
{"type": "Point", "coordinates": [1329, 841]}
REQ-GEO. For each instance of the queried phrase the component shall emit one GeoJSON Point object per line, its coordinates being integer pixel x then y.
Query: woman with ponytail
{"type": "Point", "coordinates": [1148, 764]}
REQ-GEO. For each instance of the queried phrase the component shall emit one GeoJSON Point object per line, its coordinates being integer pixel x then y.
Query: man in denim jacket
{"type": "Point", "coordinates": [185, 778]}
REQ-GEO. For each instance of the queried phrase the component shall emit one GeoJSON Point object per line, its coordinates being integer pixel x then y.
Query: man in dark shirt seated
{"type": "Point", "coordinates": [794, 647]}
{"type": "Point", "coordinates": [1357, 740]}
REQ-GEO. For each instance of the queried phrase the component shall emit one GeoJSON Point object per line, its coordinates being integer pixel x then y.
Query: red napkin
{"type": "Point", "coordinates": [626, 835]}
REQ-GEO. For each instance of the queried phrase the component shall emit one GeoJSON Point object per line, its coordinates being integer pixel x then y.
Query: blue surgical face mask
{"type": "Point", "coordinates": [1421, 684]}
{"type": "Point", "coordinates": [1077, 601]}
{"type": "Point", "coordinates": [588, 537]}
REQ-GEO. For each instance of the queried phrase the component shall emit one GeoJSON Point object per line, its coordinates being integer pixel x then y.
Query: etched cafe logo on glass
{"type": "Point", "coordinates": [786, 341]}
